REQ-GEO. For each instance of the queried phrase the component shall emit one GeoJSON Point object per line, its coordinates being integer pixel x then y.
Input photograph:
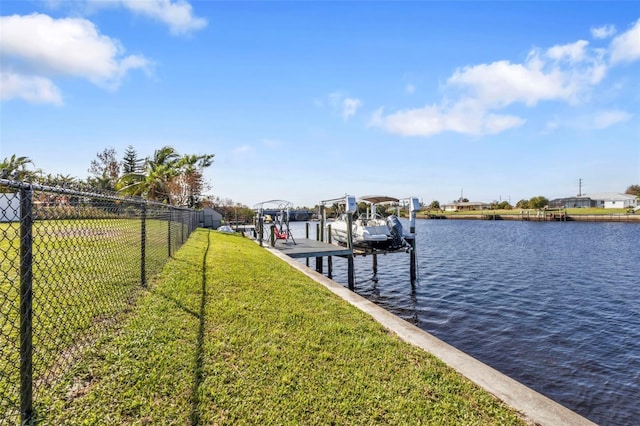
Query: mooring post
{"type": "Point", "coordinates": [318, 238]}
{"type": "Point", "coordinates": [261, 229]}
{"type": "Point", "coordinates": [352, 285]}
{"type": "Point", "coordinates": [412, 260]}
{"type": "Point", "coordinates": [26, 305]}
{"type": "Point", "coordinates": [307, 225]}
{"type": "Point", "coordinates": [375, 264]}
{"type": "Point", "coordinates": [350, 271]}
{"type": "Point", "coordinates": [415, 207]}
{"type": "Point", "coordinates": [272, 235]}
{"type": "Point", "coordinates": [329, 259]}
{"type": "Point", "coordinates": [323, 218]}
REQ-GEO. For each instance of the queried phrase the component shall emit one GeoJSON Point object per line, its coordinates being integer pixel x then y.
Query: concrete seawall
{"type": "Point", "coordinates": [535, 407]}
{"type": "Point", "coordinates": [630, 218]}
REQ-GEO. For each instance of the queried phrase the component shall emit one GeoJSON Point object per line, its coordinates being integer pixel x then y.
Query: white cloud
{"type": "Point", "coordinates": [475, 95]}
{"type": "Point", "coordinates": [346, 106]}
{"type": "Point", "coordinates": [502, 83]}
{"type": "Point", "coordinates": [573, 52]}
{"type": "Point", "coordinates": [626, 46]}
{"type": "Point", "coordinates": [178, 15]}
{"type": "Point", "coordinates": [604, 31]}
{"type": "Point", "coordinates": [350, 107]}
{"type": "Point", "coordinates": [49, 47]}
{"type": "Point", "coordinates": [410, 89]}
{"type": "Point", "coordinates": [32, 89]}
{"type": "Point", "coordinates": [432, 119]}
{"type": "Point", "coordinates": [604, 119]}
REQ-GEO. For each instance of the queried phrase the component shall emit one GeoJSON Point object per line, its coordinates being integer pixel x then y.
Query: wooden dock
{"type": "Point", "coordinates": [307, 248]}
{"type": "Point", "coordinates": [310, 248]}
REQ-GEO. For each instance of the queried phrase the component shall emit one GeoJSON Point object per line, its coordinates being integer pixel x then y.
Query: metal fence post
{"type": "Point", "coordinates": [182, 223]}
{"type": "Point", "coordinates": [169, 230]}
{"type": "Point", "coordinates": [143, 243]}
{"type": "Point", "coordinates": [26, 305]}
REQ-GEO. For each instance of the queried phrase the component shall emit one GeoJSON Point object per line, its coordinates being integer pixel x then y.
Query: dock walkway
{"type": "Point", "coordinates": [310, 248]}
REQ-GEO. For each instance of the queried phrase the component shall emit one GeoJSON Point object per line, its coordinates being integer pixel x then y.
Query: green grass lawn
{"type": "Point", "coordinates": [85, 274]}
{"type": "Point", "coordinates": [229, 334]}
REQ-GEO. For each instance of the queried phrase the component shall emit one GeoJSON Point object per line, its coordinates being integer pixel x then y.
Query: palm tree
{"type": "Point", "coordinates": [158, 172]}
{"type": "Point", "coordinates": [188, 186]}
{"type": "Point", "coordinates": [16, 168]}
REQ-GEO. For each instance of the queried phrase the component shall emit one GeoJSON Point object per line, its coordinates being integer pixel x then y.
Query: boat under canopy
{"type": "Point", "coordinates": [370, 229]}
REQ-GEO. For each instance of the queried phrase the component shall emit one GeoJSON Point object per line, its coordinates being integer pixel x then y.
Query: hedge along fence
{"type": "Point", "coordinates": [71, 262]}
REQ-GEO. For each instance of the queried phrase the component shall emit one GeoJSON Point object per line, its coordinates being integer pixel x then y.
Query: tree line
{"type": "Point", "coordinates": [166, 176]}
{"type": "Point", "coordinates": [537, 202]}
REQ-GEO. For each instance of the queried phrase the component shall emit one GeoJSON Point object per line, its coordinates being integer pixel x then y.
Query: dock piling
{"type": "Point", "coordinates": [350, 269]}
{"type": "Point", "coordinates": [329, 258]}
{"type": "Point", "coordinates": [375, 267]}
{"type": "Point", "coordinates": [307, 225]}
{"type": "Point", "coordinates": [318, 238]}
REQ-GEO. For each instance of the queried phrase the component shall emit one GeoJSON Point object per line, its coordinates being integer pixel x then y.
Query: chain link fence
{"type": "Point", "coordinates": [71, 262]}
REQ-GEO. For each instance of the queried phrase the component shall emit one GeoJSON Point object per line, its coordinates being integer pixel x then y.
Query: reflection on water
{"type": "Point", "coordinates": [556, 306]}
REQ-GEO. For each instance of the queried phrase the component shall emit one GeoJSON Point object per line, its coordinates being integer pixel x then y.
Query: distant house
{"type": "Point", "coordinates": [607, 200]}
{"type": "Point", "coordinates": [572, 202]}
{"type": "Point", "coordinates": [209, 218]}
{"type": "Point", "coordinates": [460, 206]}
{"type": "Point", "coordinates": [614, 200]}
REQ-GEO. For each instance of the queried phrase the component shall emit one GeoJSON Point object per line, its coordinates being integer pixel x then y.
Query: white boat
{"type": "Point", "coordinates": [370, 229]}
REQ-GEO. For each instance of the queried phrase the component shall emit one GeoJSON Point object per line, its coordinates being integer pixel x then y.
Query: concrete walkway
{"type": "Point", "coordinates": [535, 407]}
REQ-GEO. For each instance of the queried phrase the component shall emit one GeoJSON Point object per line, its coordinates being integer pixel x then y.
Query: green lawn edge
{"type": "Point", "coordinates": [230, 334]}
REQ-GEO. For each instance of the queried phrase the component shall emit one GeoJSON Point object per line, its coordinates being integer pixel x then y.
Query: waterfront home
{"type": "Point", "coordinates": [460, 206]}
{"type": "Point", "coordinates": [607, 200]}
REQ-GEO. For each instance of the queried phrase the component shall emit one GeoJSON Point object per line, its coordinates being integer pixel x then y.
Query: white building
{"type": "Point", "coordinates": [460, 206]}
{"type": "Point", "coordinates": [614, 200]}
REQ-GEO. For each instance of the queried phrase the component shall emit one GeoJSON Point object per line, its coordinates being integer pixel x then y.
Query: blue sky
{"type": "Point", "coordinates": [306, 101]}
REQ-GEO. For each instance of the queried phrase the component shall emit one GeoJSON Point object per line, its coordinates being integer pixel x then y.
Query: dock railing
{"type": "Point", "coordinates": [71, 264]}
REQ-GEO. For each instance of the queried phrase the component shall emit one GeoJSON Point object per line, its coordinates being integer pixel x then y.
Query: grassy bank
{"type": "Point", "coordinates": [229, 334]}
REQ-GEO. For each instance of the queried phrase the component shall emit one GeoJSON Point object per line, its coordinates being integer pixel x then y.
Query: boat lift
{"type": "Point", "coordinates": [349, 205]}
{"type": "Point", "coordinates": [280, 229]}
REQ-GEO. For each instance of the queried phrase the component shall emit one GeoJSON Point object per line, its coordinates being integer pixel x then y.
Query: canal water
{"type": "Point", "coordinates": [554, 305]}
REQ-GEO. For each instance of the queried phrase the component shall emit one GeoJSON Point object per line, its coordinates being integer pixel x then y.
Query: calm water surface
{"type": "Point", "coordinates": [554, 305]}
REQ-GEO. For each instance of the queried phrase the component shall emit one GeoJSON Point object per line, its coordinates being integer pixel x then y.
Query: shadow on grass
{"type": "Point", "coordinates": [197, 369]}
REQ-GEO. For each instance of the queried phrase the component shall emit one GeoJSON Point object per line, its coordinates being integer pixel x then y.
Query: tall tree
{"type": "Point", "coordinates": [153, 181]}
{"type": "Point", "coordinates": [538, 202]}
{"type": "Point", "coordinates": [169, 178]}
{"type": "Point", "coordinates": [633, 190]}
{"type": "Point", "coordinates": [132, 169]}
{"type": "Point", "coordinates": [130, 161]}
{"type": "Point", "coordinates": [187, 187]}
{"type": "Point", "coordinates": [106, 167]}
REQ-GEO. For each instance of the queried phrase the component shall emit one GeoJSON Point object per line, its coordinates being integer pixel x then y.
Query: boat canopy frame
{"type": "Point", "coordinates": [281, 222]}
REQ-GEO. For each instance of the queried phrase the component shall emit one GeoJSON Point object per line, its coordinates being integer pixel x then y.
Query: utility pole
{"type": "Point", "coordinates": [580, 187]}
